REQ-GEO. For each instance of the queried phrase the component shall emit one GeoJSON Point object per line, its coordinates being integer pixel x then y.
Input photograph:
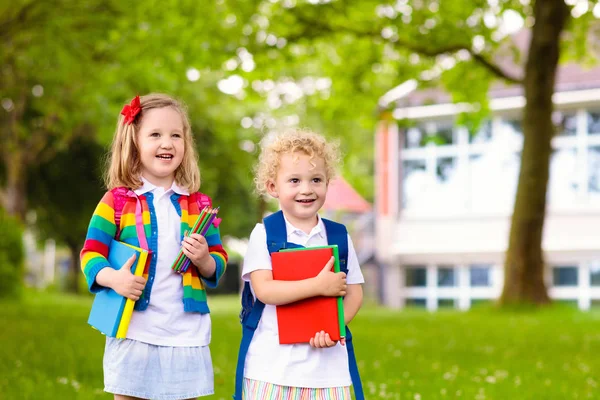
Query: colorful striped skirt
{"type": "Point", "coordinates": [258, 390]}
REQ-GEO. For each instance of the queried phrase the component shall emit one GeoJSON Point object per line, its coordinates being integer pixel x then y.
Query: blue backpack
{"type": "Point", "coordinates": [252, 309]}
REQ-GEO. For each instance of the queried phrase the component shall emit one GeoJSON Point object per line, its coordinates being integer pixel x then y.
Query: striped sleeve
{"type": "Point", "coordinates": [218, 253]}
{"type": "Point", "coordinates": [101, 231]}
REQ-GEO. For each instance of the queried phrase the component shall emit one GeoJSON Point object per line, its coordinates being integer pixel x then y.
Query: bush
{"type": "Point", "coordinates": [11, 256]}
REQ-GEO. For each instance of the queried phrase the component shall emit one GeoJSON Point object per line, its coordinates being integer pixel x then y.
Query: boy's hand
{"type": "Point", "coordinates": [127, 284]}
{"type": "Point", "coordinates": [322, 340]}
{"type": "Point", "coordinates": [331, 283]}
{"type": "Point", "coordinates": [195, 248]}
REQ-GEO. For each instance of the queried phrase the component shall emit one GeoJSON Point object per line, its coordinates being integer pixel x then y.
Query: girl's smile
{"type": "Point", "coordinates": [161, 145]}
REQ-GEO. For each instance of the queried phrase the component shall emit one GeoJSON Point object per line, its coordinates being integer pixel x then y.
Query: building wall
{"type": "Point", "coordinates": [454, 192]}
{"type": "Point", "coordinates": [435, 286]}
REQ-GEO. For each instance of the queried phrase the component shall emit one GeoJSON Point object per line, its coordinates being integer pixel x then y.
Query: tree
{"type": "Point", "coordinates": [64, 191]}
{"type": "Point", "coordinates": [49, 66]}
{"type": "Point", "coordinates": [359, 44]}
{"type": "Point", "coordinates": [72, 65]}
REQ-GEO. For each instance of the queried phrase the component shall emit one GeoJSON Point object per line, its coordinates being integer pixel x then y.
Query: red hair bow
{"type": "Point", "coordinates": [130, 111]}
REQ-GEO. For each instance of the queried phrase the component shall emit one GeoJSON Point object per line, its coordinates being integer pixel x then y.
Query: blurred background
{"type": "Point", "coordinates": [470, 183]}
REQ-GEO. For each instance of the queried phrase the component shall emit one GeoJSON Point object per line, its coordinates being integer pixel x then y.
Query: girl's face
{"type": "Point", "coordinates": [301, 188]}
{"type": "Point", "coordinates": [161, 145]}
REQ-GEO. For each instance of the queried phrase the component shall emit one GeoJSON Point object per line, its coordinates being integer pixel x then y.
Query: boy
{"type": "Point", "coordinates": [296, 168]}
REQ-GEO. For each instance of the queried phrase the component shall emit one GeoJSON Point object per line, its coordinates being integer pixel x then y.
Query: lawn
{"type": "Point", "coordinates": [48, 352]}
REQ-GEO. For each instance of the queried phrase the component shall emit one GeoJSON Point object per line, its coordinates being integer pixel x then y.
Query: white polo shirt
{"type": "Point", "coordinates": [297, 365]}
{"type": "Point", "coordinates": [164, 323]}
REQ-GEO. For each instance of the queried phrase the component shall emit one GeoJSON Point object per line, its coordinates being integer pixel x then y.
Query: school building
{"type": "Point", "coordinates": [444, 195]}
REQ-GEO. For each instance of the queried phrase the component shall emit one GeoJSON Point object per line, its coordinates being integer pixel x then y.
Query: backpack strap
{"type": "Point", "coordinates": [276, 232]}
{"type": "Point", "coordinates": [119, 199]}
{"type": "Point", "coordinates": [337, 234]}
{"type": "Point", "coordinates": [354, 374]}
{"type": "Point", "coordinates": [252, 309]}
{"type": "Point", "coordinates": [120, 195]}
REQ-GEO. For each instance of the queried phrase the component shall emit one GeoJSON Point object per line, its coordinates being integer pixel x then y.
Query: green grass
{"type": "Point", "coordinates": [48, 352]}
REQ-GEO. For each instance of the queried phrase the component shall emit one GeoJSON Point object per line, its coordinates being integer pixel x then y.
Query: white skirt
{"type": "Point", "coordinates": [143, 370]}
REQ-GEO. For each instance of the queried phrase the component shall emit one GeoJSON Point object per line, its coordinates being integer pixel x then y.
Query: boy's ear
{"type": "Point", "coordinates": [272, 189]}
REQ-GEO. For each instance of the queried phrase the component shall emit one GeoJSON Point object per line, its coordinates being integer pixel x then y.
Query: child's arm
{"type": "Point", "coordinates": [352, 302]}
{"type": "Point", "coordinates": [274, 292]}
{"type": "Point", "coordinates": [207, 254]}
{"type": "Point", "coordinates": [94, 255]}
{"type": "Point", "coordinates": [354, 296]}
{"type": "Point", "coordinates": [122, 281]}
{"type": "Point", "coordinates": [100, 232]}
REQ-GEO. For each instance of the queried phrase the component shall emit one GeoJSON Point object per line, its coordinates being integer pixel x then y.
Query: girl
{"type": "Point", "coordinates": [153, 199]}
{"type": "Point", "coordinates": [295, 168]}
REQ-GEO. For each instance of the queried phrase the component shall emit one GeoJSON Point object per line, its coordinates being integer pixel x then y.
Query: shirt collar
{"type": "Point", "coordinates": [318, 229]}
{"type": "Point", "coordinates": [149, 187]}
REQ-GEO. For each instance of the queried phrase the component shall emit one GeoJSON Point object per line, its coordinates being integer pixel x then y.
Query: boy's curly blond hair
{"type": "Point", "coordinates": [291, 141]}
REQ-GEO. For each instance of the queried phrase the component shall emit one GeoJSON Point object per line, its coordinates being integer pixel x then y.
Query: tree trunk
{"type": "Point", "coordinates": [524, 264]}
{"type": "Point", "coordinates": [14, 193]}
{"type": "Point", "coordinates": [73, 279]}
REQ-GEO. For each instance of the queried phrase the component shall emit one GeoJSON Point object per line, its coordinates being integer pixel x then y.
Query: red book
{"type": "Point", "coordinates": [298, 322]}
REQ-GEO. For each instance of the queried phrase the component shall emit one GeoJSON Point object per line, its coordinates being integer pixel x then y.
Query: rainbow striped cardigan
{"type": "Point", "coordinates": [102, 230]}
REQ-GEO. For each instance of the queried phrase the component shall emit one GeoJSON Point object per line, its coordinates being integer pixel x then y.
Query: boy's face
{"type": "Point", "coordinates": [300, 187]}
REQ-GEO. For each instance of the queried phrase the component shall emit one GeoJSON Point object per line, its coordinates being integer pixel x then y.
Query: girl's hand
{"type": "Point", "coordinates": [322, 340]}
{"type": "Point", "coordinates": [125, 283]}
{"type": "Point", "coordinates": [331, 283]}
{"type": "Point", "coordinates": [195, 248]}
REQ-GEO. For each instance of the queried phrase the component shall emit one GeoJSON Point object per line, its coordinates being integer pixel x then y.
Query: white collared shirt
{"type": "Point", "coordinates": [297, 365]}
{"type": "Point", "coordinates": [164, 323]}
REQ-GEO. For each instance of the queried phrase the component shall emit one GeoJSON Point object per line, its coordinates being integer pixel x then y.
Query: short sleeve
{"type": "Point", "coordinates": [257, 255]}
{"type": "Point", "coordinates": [355, 275]}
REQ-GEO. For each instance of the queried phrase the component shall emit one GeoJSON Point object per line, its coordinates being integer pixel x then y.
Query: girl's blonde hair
{"type": "Point", "coordinates": [123, 163]}
{"type": "Point", "coordinates": [297, 140]}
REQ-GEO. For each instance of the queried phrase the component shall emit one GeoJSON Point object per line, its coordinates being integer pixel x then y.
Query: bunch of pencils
{"type": "Point", "coordinates": [205, 218]}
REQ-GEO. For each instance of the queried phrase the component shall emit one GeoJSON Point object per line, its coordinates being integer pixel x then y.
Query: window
{"type": "Point", "coordinates": [513, 126]}
{"type": "Point", "coordinates": [440, 133]}
{"type": "Point", "coordinates": [414, 179]}
{"type": "Point", "coordinates": [593, 122]}
{"type": "Point", "coordinates": [566, 123]}
{"type": "Point", "coordinates": [482, 134]}
{"type": "Point", "coordinates": [595, 273]}
{"type": "Point", "coordinates": [416, 276]}
{"type": "Point", "coordinates": [420, 303]}
{"type": "Point", "coordinates": [445, 169]}
{"type": "Point", "coordinates": [594, 170]}
{"type": "Point", "coordinates": [413, 137]}
{"type": "Point", "coordinates": [446, 303]}
{"type": "Point", "coordinates": [480, 275]}
{"type": "Point", "coordinates": [446, 277]}
{"type": "Point", "coordinates": [565, 276]}
{"type": "Point", "coordinates": [563, 183]}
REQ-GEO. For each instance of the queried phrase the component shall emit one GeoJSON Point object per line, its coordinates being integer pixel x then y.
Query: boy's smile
{"type": "Point", "coordinates": [301, 188]}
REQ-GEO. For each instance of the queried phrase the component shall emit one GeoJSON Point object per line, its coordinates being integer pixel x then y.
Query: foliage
{"type": "Point", "coordinates": [11, 256]}
{"type": "Point", "coordinates": [64, 192]}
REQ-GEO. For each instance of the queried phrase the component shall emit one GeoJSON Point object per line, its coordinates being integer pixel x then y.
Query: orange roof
{"type": "Point", "coordinates": [342, 197]}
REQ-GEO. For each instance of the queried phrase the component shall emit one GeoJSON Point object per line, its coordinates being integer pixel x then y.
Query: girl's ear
{"type": "Point", "coordinates": [272, 189]}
